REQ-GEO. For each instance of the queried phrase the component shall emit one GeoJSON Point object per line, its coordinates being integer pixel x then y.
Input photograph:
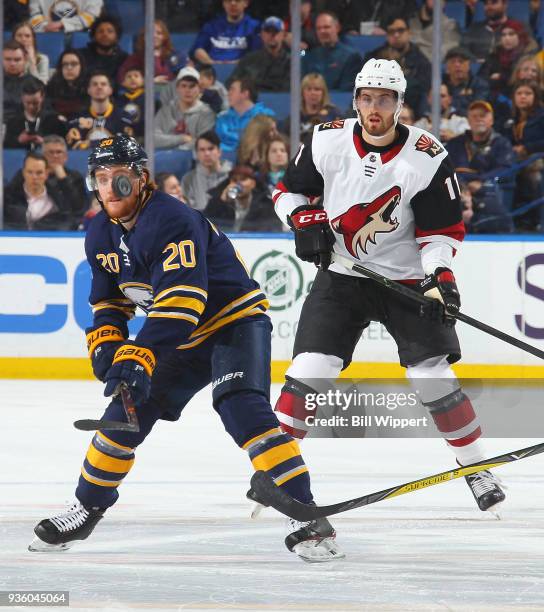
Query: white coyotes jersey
{"type": "Point", "coordinates": [383, 204]}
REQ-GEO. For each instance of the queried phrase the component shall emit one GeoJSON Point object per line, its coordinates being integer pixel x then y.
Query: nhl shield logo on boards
{"type": "Point", "coordinates": [280, 277]}
{"type": "Point", "coordinates": [426, 144]}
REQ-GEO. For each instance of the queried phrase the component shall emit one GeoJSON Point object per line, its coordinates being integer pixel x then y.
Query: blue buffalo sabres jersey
{"type": "Point", "coordinates": [177, 267]}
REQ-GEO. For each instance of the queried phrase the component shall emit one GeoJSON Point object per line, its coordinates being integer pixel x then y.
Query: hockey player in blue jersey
{"type": "Point", "coordinates": [205, 323]}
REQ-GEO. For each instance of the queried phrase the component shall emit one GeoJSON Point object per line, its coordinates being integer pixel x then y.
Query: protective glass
{"type": "Point", "coordinates": [102, 177]}
{"type": "Point", "coordinates": [384, 103]}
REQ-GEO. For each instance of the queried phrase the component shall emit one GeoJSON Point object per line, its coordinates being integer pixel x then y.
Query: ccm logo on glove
{"type": "Point", "coordinates": [301, 219]}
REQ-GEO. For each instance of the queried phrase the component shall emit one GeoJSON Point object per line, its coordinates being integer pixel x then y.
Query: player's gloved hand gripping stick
{"type": "Point", "coordinates": [448, 292]}
{"type": "Point", "coordinates": [130, 410]}
{"type": "Point", "coordinates": [313, 235]}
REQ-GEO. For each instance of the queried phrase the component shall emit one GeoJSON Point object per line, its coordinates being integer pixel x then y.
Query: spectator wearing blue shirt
{"type": "Point", "coordinates": [464, 87]}
{"type": "Point", "coordinates": [243, 103]}
{"type": "Point", "coordinates": [337, 62]}
{"type": "Point", "coordinates": [225, 39]}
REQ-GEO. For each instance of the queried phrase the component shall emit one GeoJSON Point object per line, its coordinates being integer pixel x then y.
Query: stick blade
{"type": "Point", "coordinates": [96, 424]}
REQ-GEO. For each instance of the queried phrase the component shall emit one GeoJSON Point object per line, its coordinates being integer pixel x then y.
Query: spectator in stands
{"type": "Point", "coordinates": [67, 89]}
{"type": "Point", "coordinates": [101, 119]}
{"type": "Point", "coordinates": [451, 123]}
{"type": "Point", "coordinates": [478, 156]}
{"type": "Point", "coordinates": [368, 17]}
{"type": "Point", "coordinates": [210, 170]}
{"type": "Point", "coordinates": [254, 141]}
{"type": "Point", "coordinates": [241, 204]}
{"type": "Point", "coordinates": [243, 107]}
{"type": "Point", "coordinates": [90, 213]}
{"type": "Point", "coordinates": [72, 16]}
{"type": "Point", "coordinates": [421, 28]}
{"type": "Point", "coordinates": [132, 101]}
{"type": "Point", "coordinates": [337, 62]}
{"type": "Point", "coordinates": [178, 124]}
{"type": "Point", "coordinates": [482, 37]}
{"type": "Point", "coordinates": [270, 66]}
{"type": "Point", "coordinates": [32, 204]}
{"type": "Point", "coordinates": [212, 91]}
{"type": "Point", "coordinates": [275, 163]}
{"type": "Point", "coordinates": [308, 38]}
{"type": "Point", "coordinates": [227, 38]}
{"type": "Point", "coordinates": [407, 116]}
{"type": "Point", "coordinates": [37, 64]}
{"type": "Point", "coordinates": [527, 136]}
{"type": "Point", "coordinates": [416, 67]}
{"type": "Point", "coordinates": [169, 183]}
{"type": "Point", "coordinates": [27, 129]}
{"type": "Point", "coordinates": [15, 11]}
{"type": "Point", "coordinates": [514, 42]}
{"type": "Point", "coordinates": [464, 87]}
{"type": "Point", "coordinates": [168, 61]}
{"type": "Point", "coordinates": [60, 177]}
{"type": "Point", "coordinates": [183, 15]}
{"type": "Point", "coordinates": [528, 68]}
{"type": "Point", "coordinates": [316, 106]}
{"type": "Point", "coordinates": [13, 60]}
{"type": "Point", "coordinates": [103, 51]}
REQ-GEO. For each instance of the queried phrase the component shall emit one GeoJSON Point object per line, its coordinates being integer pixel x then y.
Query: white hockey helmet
{"type": "Point", "coordinates": [382, 74]}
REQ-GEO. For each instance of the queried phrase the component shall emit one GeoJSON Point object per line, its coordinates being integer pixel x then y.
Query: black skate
{"type": "Point", "coordinates": [486, 490]}
{"type": "Point", "coordinates": [64, 530]}
{"type": "Point", "coordinates": [257, 504]}
{"type": "Point", "coordinates": [314, 541]}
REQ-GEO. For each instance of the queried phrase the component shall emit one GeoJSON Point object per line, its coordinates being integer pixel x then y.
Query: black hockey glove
{"type": "Point", "coordinates": [102, 342]}
{"type": "Point", "coordinates": [313, 235]}
{"type": "Point", "coordinates": [442, 288]}
{"type": "Point", "coordinates": [134, 366]}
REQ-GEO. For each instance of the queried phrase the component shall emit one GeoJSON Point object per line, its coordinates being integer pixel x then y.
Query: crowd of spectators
{"type": "Point", "coordinates": [491, 122]}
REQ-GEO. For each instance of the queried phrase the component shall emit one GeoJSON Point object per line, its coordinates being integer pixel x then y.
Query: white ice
{"type": "Point", "coordinates": [180, 536]}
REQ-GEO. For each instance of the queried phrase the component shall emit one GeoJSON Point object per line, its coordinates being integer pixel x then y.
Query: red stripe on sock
{"type": "Point", "coordinates": [472, 437]}
{"type": "Point", "coordinates": [457, 417]}
{"type": "Point", "coordinates": [293, 405]}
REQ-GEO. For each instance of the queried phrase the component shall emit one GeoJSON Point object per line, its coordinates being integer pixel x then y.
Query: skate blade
{"type": "Point", "coordinates": [323, 552]}
{"type": "Point", "coordinates": [495, 511]}
{"type": "Point", "coordinates": [38, 545]}
{"type": "Point", "coordinates": [256, 510]}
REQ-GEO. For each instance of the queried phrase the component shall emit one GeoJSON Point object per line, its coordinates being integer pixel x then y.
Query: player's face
{"type": "Point", "coordinates": [377, 108]}
{"type": "Point", "coordinates": [116, 207]}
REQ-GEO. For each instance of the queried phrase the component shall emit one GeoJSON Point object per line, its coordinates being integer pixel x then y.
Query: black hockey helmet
{"type": "Point", "coordinates": [114, 151]}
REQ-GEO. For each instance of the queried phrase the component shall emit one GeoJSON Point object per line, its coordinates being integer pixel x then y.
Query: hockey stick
{"type": "Point", "coordinates": [132, 423]}
{"type": "Point", "coordinates": [270, 494]}
{"type": "Point", "coordinates": [418, 297]}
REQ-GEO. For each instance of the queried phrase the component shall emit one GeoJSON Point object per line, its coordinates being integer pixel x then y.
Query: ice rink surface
{"type": "Point", "coordinates": [180, 537]}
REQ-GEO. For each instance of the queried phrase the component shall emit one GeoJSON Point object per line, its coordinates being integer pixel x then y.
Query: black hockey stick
{"type": "Point", "coordinates": [132, 423]}
{"type": "Point", "coordinates": [418, 297]}
{"type": "Point", "coordinates": [269, 494]}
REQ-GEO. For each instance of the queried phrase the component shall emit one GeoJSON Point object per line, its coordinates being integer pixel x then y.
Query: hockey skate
{"type": "Point", "coordinates": [486, 490]}
{"type": "Point", "coordinates": [61, 532]}
{"type": "Point", "coordinates": [313, 542]}
{"type": "Point", "coordinates": [257, 506]}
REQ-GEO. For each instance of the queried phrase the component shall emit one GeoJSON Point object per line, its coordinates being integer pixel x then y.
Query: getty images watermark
{"type": "Point", "coordinates": [396, 408]}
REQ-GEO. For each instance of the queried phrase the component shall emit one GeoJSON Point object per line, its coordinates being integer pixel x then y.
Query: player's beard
{"type": "Point", "coordinates": [378, 128]}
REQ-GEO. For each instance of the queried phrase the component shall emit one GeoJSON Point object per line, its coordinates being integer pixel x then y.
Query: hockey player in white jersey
{"type": "Point", "coordinates": [390, 199]}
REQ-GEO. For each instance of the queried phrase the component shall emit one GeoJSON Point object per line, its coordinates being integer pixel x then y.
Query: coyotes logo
{"type": "Point", "coordinates": [426, 144]}
{"type": "Point", "coordinates": [336, 124]}
{"type": "Point", "coordinates": [360, 224]}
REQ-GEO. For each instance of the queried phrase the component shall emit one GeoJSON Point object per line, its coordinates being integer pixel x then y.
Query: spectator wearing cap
{"type": "Point", "coordinates": [451, 123]}
{"type": "Point", "coordinates": [337, 62]}
{"type": "Point", "coordinates": [178, 124]}
{"type": "Point", "coordinates": [482, 37]}
{"type": "Point", "coordinates": [103, 51]}
{"type": "Point", "coordinates": [27, 129]}
{"type": "Point", "coordinates": [30, 203]}
{"type": "Point", "coordinates": [167, 60]}
{"type": "Point", "coordinates": [421, 28]}
{"type": "Point", "coordinates": [209, 171]}
{"type": "Point", "coordinates": [416, 67]}
{"type": "Point", "coordinates": [227, 38]}
{"type": "Point", "coordinates": [13, 60]}
{"type": "Point", "coordinates": [241, 204]}
{"type": "Point", "coordinates": [72, 16]}
{"type": "Point", "coordinates": [230, 124]}
{"type": "Point", "coordinates": [464, 87]}
{"type": "Point", "coordinates": [478, 156]}
{"type": "Point", "coordinates": [514, 41]}
{"type": "Point", "coordinates": [269, 67]}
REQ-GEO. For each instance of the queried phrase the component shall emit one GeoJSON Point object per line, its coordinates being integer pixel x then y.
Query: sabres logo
{"type": "Point", "coordinates": [426, 144]}
{"type": "Point", "coordinates": [360, 223]}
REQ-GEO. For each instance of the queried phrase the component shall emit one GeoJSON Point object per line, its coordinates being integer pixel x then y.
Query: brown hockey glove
{"type": "Point", "coordinates": [442, 288]}
{"type": "Point", "coordinates": [313, 235]}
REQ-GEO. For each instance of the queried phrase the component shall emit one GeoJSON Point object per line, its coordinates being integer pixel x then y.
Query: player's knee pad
{"type": "Point", "coordinates": [315, 365]}
{"type": "Point", "coordinates": [246, 414]}
{"type": "Point", "coordinates": [241, 361]}
{"type": "Point", "coordinates": [432, 378]}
